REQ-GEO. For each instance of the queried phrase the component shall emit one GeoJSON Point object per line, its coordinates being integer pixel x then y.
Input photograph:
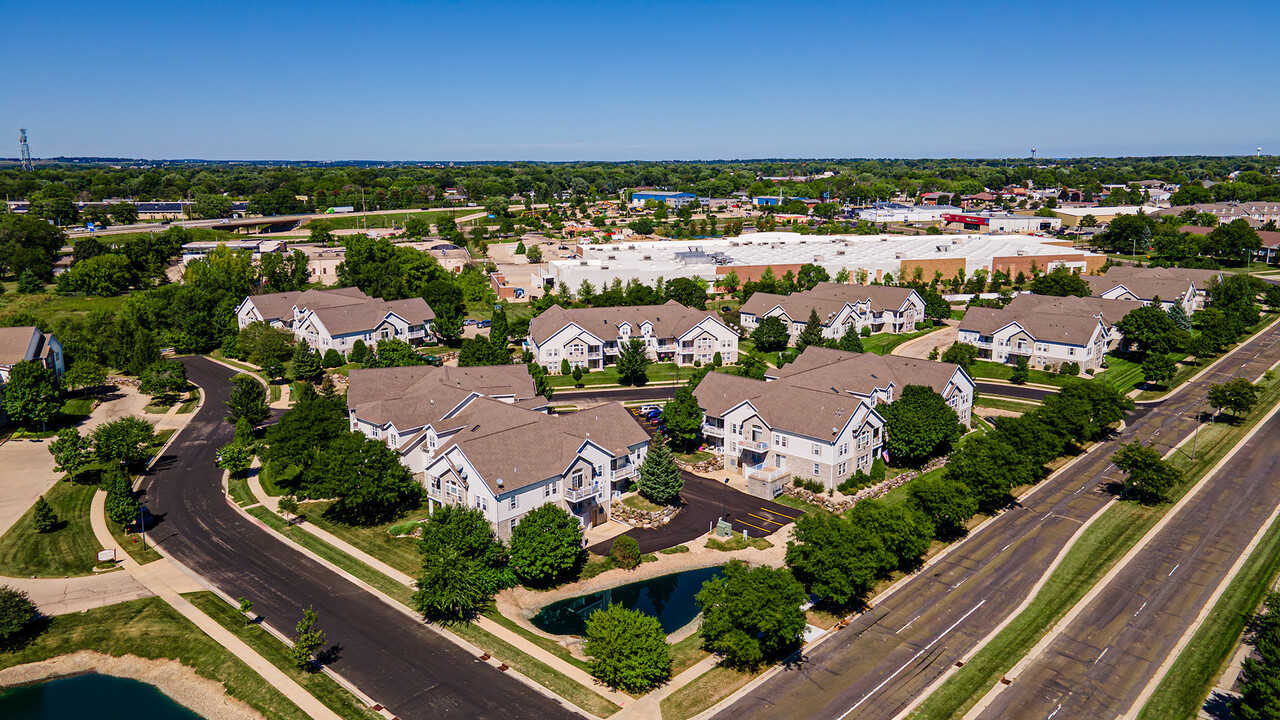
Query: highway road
{"type": "Point", "coordinates": [1099, 665]}
{"type": "Point", "coordinates": [399, 662]}
{"type": "Point", "coordinates": [889, 654]}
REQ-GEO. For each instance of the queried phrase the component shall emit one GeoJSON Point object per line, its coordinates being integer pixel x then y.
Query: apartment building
{"type": "Point", "coordinates": [1144, 286]}
{"type": "Point", "coordinates": [881, 308]}
{"type": "Point", "coordinates": [338, 317]}
{"type": "Point", "coordinates": [1047, 331]}
{"type": "Point", "coordinates": [1198, 278]}
{"type": "Point", "coordinates": [27, 344]}
{"type": "Point", "coordinates": [592, 338]}
{"type": "Point", "coordinates": [480, 437]}
{"type": "Point", "coordinates": [816, 417]}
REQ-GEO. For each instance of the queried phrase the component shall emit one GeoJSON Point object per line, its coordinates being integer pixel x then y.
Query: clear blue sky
{"type": "Point", "coordinates": [639, 80]}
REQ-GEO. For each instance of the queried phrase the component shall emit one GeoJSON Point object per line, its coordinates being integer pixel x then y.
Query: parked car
{"type": "Point", "coordinates": [726, 308]}
{"type": "Point", "coordinates": [484, 323]}
{"type": "Point", "coordinates": [519, 292]}
{"type": "Point", "coordinates": [646, 409]}
{"type": "Point", "coordinates": [653, 415]}
{"type": "Point", "coordinates": [434, 360]}
{"type": "Point", "coordinates": [470, 322]}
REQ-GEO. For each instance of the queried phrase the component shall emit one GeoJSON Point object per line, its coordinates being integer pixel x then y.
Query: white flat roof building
{"type": "Point", "coordinates": [877, 254]}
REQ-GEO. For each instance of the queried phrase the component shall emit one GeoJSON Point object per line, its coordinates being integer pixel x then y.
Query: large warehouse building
{"type": "Point", "coordinates": [878, 255]}
{"type": "Point", "coordinates": [1002, 222]}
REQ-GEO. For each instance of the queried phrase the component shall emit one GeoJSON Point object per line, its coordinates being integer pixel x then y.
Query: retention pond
{"type": "Point", "coordinates": [100, 697]}
{"type": "Point", "coordinates": [669, 598]}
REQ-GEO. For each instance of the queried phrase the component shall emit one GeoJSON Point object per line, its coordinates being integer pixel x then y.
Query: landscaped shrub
{"type": "Point", "coordinates": [625, 552]}
{"type": "Point", "coordinates": [1069, 368]}
{"type": "Point", "coordinates": [810, 485]}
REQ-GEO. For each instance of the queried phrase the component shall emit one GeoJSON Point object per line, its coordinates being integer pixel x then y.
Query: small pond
{"type": "Point", "coordinates": [669, 598]}
{"type": "Point", "coordinates": [100, 697]}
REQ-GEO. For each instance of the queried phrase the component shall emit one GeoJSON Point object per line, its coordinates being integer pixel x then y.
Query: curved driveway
{"type": "Point", "coordinates": [400, 663]}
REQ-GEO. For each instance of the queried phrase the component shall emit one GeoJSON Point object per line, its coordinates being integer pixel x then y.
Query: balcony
{"type": "Point", "coordinates": [713, 430]}
{"type": "Point", "coordinates": [626, 472]}
{"type": "Point", "coordinates": [578, 494]}
{"type": "Point", "coordinates": [767, 473]}
{"type": "Point", "coordinates": [755, 445]}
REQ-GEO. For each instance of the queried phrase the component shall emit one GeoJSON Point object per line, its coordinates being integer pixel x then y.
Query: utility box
{"type": "Point", "coordinates": [723, 529]}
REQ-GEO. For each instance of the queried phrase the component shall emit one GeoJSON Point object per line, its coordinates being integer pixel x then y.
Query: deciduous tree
{"type": "Point", "coordinates": [919, 425]}
{"type": "Point", "coordinates": [31, 394]}
{"type": "Point", "coordinates": [771, 335]}
{"type": "Point", "coordinates": [836, 559]}
{"type": "Point", "coordinates": [628, 649]}
{"type": "Point", "coordinates": [123, 442]}
{"type": "Point", "coordinates": [751, 613]}
{"type": "Point", "coordinates": [1148, 476]}
{"type": "Point", "coordinates": [633, 363]}
{"type": "Point", "coordinates": [71, 451]}
{"type": "Point", "coordinates": [683, 418]}
{"type": "Point", "coordinates": [546, 546]}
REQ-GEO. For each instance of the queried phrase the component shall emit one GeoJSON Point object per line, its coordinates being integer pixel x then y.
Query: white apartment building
{"type": "Point", "coordinates": [1198, 278]}
{"type": "Point", "coordinates": [480, 437]}
{"type": "Point", "coordinates": [337, 318]}
{"type": "Point", "coordinates": [816, 418]}
{"type": "Point", "coordinates": [592, 338]}
{"type": "Point", "coordinates": [1146, 288]}
{"type": "Point", "coordinates": [1047, 331]}
{"type": "Point", "coordinates": [881, 308]}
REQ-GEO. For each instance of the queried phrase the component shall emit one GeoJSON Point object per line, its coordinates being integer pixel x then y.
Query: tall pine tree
{"type": "Point", "coordinates": [660, 479]}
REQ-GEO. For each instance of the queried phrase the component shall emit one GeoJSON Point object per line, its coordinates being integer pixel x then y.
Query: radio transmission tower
{"type": "Point", "coordinates": [24, 148]}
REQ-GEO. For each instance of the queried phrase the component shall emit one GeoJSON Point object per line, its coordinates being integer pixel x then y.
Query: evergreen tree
{"type": "Point", "coordinates": [1179, 317]}
{"type": "Point", "coordinates": [660, 480]}
{"type": "Point", "coordinates": [44, 519]}
{"type": "Point", "coordinates": [812, 333]}
{"type": "Point", "coordinates": [248, 400]}
{"type": "Point", "coordinates": [358, 351]}
{"type": "Point", "coordinates": [499, 333]}
{"type": "Point", "coordinates": [1021, 371]}
{"type": "Point", "coordinates": [683, 417]}
{"type": "Point", "coordinates": [850, 342]}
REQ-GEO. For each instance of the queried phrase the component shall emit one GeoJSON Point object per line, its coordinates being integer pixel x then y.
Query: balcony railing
{"type": "Point", "coordinates": [625, 472]}
{"type": "Point", "coordinates": [767, 473]}
{"type": "Point", "coordinates": [579, 494]}
{"type": "Point", "coordinates": [756, 445]}
{"type": "Point", "coordinates": [713, 430]}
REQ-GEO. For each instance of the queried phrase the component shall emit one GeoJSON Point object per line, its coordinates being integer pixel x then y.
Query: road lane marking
{"type": "Point", "coordinates": [1104, 652]}
{"type": "Point", "coordinates": [1174, 570]}
{"type": "Point", "coordinates": [1055, 712]}
{"type": "Point", "coordinates": [904, 627]}
{"type": "Point", "coordinates": [1135, 612]}
{"type": "Point", "coordinates": [915, 657]}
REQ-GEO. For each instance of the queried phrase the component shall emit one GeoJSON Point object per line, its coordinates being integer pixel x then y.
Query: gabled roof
{"type": "Point", "coordinates": [520, 447]}
{"type": "Point", "coordinates": [782, 406]}
{"type": "Point", "coordinates": [414, 396]}
{"type": "Point", "coordinates": [1110, 310]}
{"type": "Point", "coordinates": [365, 316]}
{"type": "Point", "coordinates": [828, 299]}
{"type": "Point", "coordinates": [277, 306]}
{"type": "Point", "coordinates": [1045, 327]}
{"type": "Point", "coordinates": [819, 368]}
{"type": "Point", "coordinates": [16, 341]}
{"type": "Point", "coordinates": [669, 320]}
{"type": "Point", "coordinates": [1145, 288]}
{"type": "Point", "coordinates": [1200, 278]}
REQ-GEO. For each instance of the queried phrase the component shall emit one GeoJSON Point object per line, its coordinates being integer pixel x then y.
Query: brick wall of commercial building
{"type": "Point", "coordinates": [753, 272]}
{"type": "Point", "coordinates": [948, 266]}
{"type": "Point", "coordinates": [1022, 263]}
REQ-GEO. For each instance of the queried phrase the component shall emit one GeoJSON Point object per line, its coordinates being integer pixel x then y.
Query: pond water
{"type": "Point", "coordinates": [100, 697]}
{"type": "Point", "coordinates": [669, 598]}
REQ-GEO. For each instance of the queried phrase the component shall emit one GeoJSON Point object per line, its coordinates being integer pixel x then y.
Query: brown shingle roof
{"type": "Point", "coordinates": [14, 343]}
{"type": "Point", "coordinates": [277, 306]}
{"type": "Point", "coordinates": [669, 320]}
{"type": "Point", "coordinates": [1049, 327]}
{"type": "Point", "coordinates": [365, 316]}
{"type": "Point", "coordinates": [1146, 288]}
{"type": "Point", "coordinates": [828, 299]}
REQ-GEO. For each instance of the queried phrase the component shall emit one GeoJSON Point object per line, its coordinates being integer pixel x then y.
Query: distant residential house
{"type": "Point", "coordinates": [337, 318]}
{"type": "Point", "coordinates": [1047, 331]}
{"type": "Point", "coordinates": [816, 417]}
{"type": "Point", "coordinates": [1256, 213]}
{"type": "Point", "coordinates": [592, 338]}
{"type": "Point", "coordinates": [881, 308]}
{"type": "Point", "coordinates": [28, 344]}
{"type": "Point", "coordinates": [479, 437]}
{"type": "Point", "coordinates": [1268, 253]}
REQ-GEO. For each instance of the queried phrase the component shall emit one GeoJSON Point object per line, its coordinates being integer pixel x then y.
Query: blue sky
{"type": "Point", "coordinates": [640, 80]}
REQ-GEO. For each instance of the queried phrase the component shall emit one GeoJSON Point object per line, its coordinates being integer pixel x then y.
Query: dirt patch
{"type": "Point", "coordinates": [207, 698]}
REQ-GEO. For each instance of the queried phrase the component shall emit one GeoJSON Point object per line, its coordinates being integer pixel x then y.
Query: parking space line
{"type": "Point", "coordinates": [775, 512]}
{"type": "Point", "coordinates": [775, 522]}
{"type": "Point", "coordinates": [744, 522]}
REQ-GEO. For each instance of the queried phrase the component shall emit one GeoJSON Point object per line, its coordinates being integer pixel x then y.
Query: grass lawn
{"type": "Point", "coordinates": [1192, 676]}
{"type": "Point", "coordinates": [49, 308]}
{"type": "Point", "coordinates": [696, 456]}
{"type": "Point", "coordinates": [999, 403]}
{"type": "Point", "coordinates": [798, 504]}
{"type": "Point", "coordinates": [706, 690]}
{"type": "Point", "coordinates": [132, 543]}
{"type": "Point", "coordinates": [638, 502]}
{"type": "Point", "coordinates": [545, 643]}
{"type": "Point", "coordinates": [69, 551]}
{"type": "Point", "coordinates": [77, 406]}
{"type": "Point", "coordinates": [149, 628]}
{"type": "Point", "coordinates": [987, 370]}
{"type": "Point", "coordinates": [269, 486]}
{"type": "Point", "coordinates": [535, 670]}
{"type": "Point", "coordinates": [687, 653]}
{"type": "Point", "coordinates": [735, 542]}
{"type": "Point", "coordinates": [1098, 549]}
{"type": "Point", "coordinates": [658, 372]}
{"type": "Point", "coordinates": [400, 553]}
{"type": "Point", "coordinates": [190, 405]}
{"type": "Point", "coordinates": [324, 688]}
{"type": "Point", "coordinates": [238, 489]}
{"type": "Point", "coordinates": [346, 221]}
{"type": "Point", "coordinates": [884, 343]}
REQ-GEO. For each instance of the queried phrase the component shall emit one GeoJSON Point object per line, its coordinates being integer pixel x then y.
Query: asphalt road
{"type": "Point", "coordinates": [400, 663]}
{"type": "Point", "coordinates": [888, 655]}
{"type": "Point", "coordinates": [706, 501]}
{"type": "Point", "coordinates": [1014, 391]}
{"type": "Point", "coordinates": [1102, 661]}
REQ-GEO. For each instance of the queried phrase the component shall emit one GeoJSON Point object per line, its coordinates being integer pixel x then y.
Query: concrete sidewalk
{"type": "Point", "coordinates": [553, 661]}
{"type": "Point", "coordinates": [63, 596]}
{"type": "Point", "coordinates": [168, 580]}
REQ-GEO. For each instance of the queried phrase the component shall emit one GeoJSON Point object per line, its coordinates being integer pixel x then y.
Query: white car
{"type": "Point", "coordinates": [646, 409]}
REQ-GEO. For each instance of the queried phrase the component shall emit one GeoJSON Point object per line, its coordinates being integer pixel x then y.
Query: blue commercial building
{"type": "Point", "coordinates": [672, 199]}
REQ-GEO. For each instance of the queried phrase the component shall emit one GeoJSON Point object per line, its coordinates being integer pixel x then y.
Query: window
{"type": "Point", "coordinates": [780, 440]}
{"type": "Point", "coordinates": [576, 481]}
{"type": "Point", "coordinates": [733, 428]}
{"type": "Point", "coordinates": [548, 490]}
{"type": "Point", "coordinates": [842, 468]}
{"type": "Point", "coordinates": [844, 449]}
{"type": "Point", "coordinates": [817, 450]}
{"type": "Point", "coordinates": [817, 469]}
{"type": "Point", "coordinates": [482, 504]}
{"type": "Point", "coordinates": [1071, 351]}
